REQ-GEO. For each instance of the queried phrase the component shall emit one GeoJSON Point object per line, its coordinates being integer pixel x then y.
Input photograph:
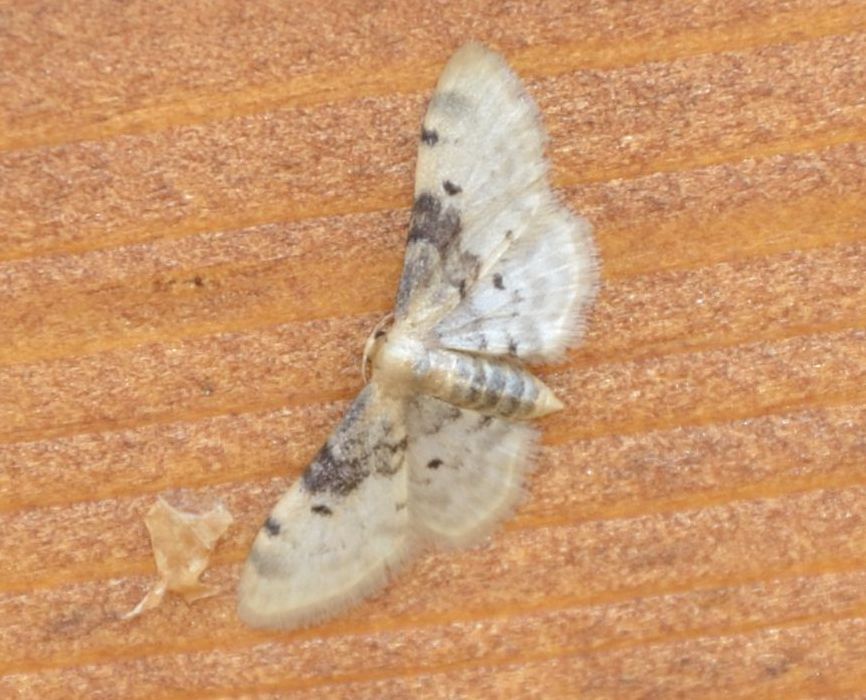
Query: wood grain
{"type": "Point", "coordinates": [202, 214]}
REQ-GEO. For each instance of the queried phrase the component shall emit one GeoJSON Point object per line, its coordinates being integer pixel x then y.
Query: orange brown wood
{"type": "Point", "coordinates": [202, 213]}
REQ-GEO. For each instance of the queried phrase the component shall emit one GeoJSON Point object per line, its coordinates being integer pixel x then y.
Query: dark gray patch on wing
{"type": "Point", "coordinates": [361, 445]}
{"type": "Point", "coordinates": [396, 447]}
{"type": "Point", "coordinates": [462, 271]}
{"type": "Point", "coordinates": [397, 450]}
{"type": "Point", "coordinates": [337, 475]}
{"type": "Point", "coordinates": [430, 222]}
{"type": "Point", "coordinates": [433, 255]}
{"type": "Point", "coordinates": [433, 415]}
{"type": "Point", "coordinates": [266, 567]}
{"type": "Point", "coordinates": [450, 102]}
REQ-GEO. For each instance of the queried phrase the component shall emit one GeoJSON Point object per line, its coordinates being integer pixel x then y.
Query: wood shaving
{"type": "Point", "coordinates": [182, 544]}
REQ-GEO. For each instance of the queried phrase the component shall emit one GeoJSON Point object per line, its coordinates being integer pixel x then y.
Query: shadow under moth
{"type": "Point", "coordinates": [434, 450]}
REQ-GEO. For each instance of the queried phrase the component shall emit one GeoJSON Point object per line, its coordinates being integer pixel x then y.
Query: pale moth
{"type": "Point", "coordinates": [435, 448]}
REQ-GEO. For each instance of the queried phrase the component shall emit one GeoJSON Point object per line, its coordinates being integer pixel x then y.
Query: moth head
{"type": "Point", "coordinates": [378, 336]}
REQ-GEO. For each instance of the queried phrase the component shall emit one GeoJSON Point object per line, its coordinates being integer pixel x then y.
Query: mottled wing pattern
{"type": "Point", "coordinates": [466, 470]}
{"type": "Point", "coordinates": [494, 266]}
{"type": "Point", "coordinates": [531, 302]}
{"type": "Point", "coordinates": [336, 534]}
{"type": "Point", "coordinates": [480, 177]}
{"type": "Point", "coordinates": [492, 257]}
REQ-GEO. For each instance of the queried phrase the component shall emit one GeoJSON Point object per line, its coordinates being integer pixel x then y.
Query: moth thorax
{"type": "Point", "coordinates": [395, 359]}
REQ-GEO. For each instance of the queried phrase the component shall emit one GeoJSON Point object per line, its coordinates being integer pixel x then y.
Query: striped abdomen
{"type": "Point", "coordinates": [489, 385]}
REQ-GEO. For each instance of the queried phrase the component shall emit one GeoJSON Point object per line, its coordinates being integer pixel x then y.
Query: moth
{"type": "Point", "coordinates": [434, 450]}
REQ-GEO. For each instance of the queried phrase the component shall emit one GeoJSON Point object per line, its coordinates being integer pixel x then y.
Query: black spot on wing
{"type": "Point", "coordinates": [434, 463]}
{"type": "Point", "coordinates": [497, 281]}
{"type": "Point", "coordinates": [451, 188]}
{"type": "Point", "coordinates": [429, 136]}
{"type": "Point", "coordinates": [272, 527]}
{"type": "Point", "coordinates": [321, 509]}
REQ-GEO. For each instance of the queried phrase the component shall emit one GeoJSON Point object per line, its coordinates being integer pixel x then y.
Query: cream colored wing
{"type": "Point", "coordinates": [492, 257]}
{"type": "Point", "coordinates": [480, 177]}
{"type": "Point", "coordinates": [466, 470]}
{"type": "Point", "coordinates": [337, 534]}
{"type": "Point", "coordinates": [531, 303]}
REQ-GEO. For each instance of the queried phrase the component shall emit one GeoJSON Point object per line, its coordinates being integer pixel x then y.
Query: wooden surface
{"type": "Point", "coordinates": [202, 213]}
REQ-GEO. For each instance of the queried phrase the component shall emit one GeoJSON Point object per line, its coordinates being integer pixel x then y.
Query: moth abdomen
{"type": "Point", "coordinates": [488, 385]}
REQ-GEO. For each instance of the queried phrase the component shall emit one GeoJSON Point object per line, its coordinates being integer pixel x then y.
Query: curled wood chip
{"type": "Point", "coordinates": [182, 544]}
